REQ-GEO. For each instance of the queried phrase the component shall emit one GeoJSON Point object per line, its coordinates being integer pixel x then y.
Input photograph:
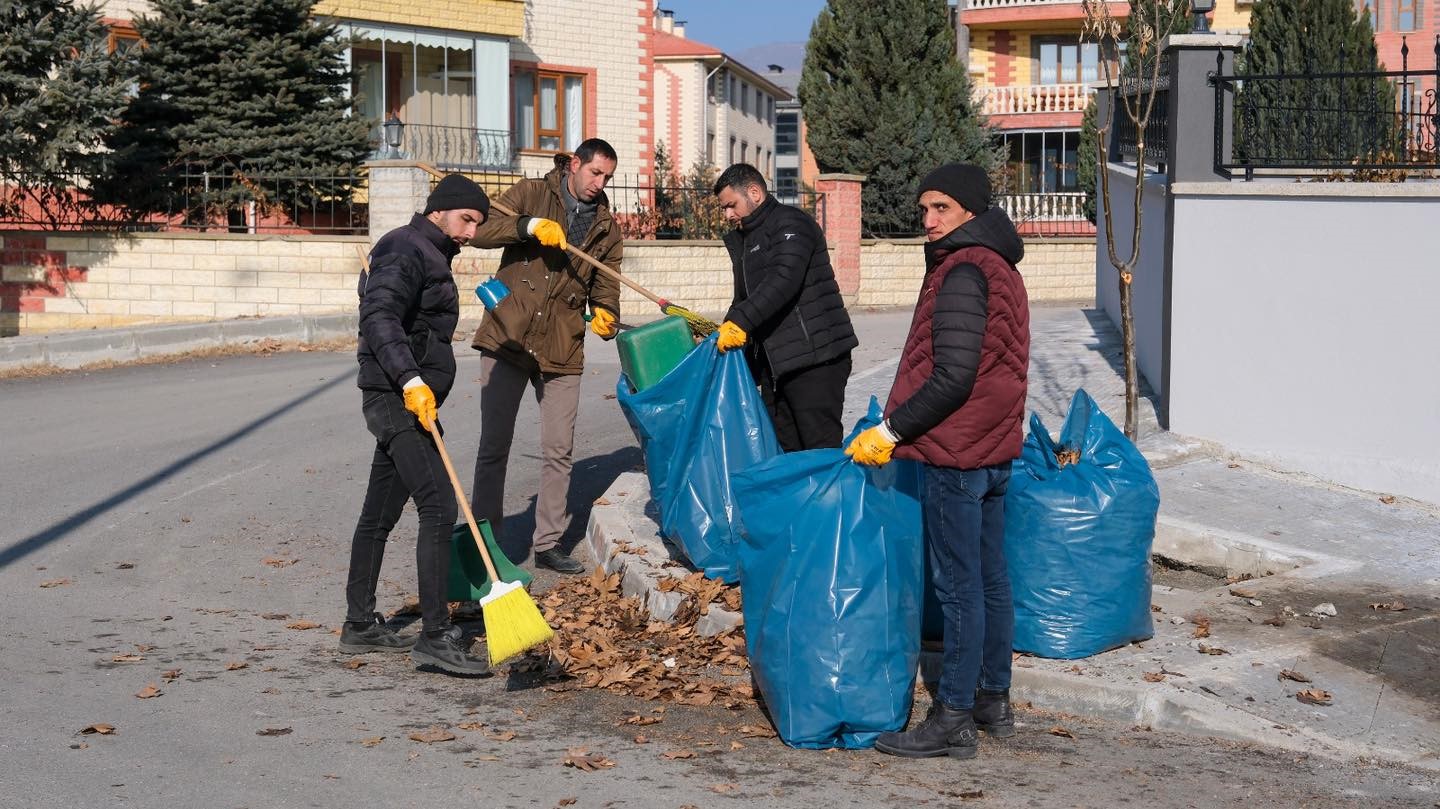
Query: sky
{"type": "Point", "coordinates": [735, 26]}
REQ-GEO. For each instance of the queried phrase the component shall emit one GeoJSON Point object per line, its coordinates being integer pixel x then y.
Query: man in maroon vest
{"type": "Point", "coordinates": [956, 407]}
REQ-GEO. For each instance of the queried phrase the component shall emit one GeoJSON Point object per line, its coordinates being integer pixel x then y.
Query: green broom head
{"type": "Point", "coordinates": [513, 622]}
{"type": "Point", "coordinates": [700, 326]}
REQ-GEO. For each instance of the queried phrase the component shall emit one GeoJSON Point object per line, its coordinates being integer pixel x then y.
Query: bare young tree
{"type": "Point", "coordinates": [1138, 86]}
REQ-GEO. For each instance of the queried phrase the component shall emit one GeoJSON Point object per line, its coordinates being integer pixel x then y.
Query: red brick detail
{"type": "Point", "coordinates": [25, 242]}
{"type": "Point", "coordinates": [646, 25]}
{"type": "Point", "coordinates": [1037, 120]}
{"type": "Point", "coordinates": [1004, 58]}
{"type": "Point", "coordinates": [1048, 12]}
{"type": "Point", "coordinates": [841, 201]}
{"type": "Point", "coordinates": [30, 296]}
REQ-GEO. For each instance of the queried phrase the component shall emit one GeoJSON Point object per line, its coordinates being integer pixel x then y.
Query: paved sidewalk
{"type": "Point", "coordinates": [1302, 544]}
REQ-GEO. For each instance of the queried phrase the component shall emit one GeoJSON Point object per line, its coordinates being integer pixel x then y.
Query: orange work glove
{"type": "Point", "coordinates": [420, 400]}
{"type": "Point", "coordinates": [873, 446]}
{"type": "Point", "coordinates": [731, 336]}
{"type": "Point", "coordinates": [548, 232]}
{"type": "Point", "coordinates": [603, 323]}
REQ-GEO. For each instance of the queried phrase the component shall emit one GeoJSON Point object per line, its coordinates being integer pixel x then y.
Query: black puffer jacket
{"type": "Point", "coordinates": [408, 310]}
{"type": "Point", "coordinates": [786, 297]}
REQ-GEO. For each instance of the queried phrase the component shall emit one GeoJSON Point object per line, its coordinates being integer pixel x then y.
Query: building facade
{"type": "Point", "coordinates": [710, 108]}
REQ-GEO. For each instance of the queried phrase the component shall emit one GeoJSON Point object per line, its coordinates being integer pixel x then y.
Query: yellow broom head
{"type": "Point", "coordinates": [512, 622]}
{"type": "Point", "coordinates": [700, 325]}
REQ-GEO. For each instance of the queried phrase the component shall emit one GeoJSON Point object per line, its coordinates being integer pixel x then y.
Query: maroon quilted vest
{"type": "Point", "coordinates": [987, 429]}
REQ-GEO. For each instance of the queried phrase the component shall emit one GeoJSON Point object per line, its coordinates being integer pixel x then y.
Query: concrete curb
{"type": "Point", "coordinates": [622, 538]}
{"type": "Point", "coordinates": [77, 349]}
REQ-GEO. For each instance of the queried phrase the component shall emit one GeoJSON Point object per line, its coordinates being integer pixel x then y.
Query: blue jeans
{"type": "Point", "coordinates": [964, 518]}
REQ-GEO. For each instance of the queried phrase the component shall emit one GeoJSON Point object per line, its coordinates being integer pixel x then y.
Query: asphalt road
{"type": "Point", "coordinates": [141, 506]}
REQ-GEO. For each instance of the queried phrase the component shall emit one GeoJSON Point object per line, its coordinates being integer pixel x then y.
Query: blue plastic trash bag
{"type": "Point", "coordinates": [1077, 538]}
{"type": "Point", "coordinates": [698, 425]}
{"type": "Point", "coordinates": [831, 559]}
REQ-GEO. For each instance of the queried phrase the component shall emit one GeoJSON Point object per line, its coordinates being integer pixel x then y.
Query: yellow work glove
{"type": "Point", "coordinates": [873, 446]}
{"type": "Point", "coordinates": [731, 336]}
{"type": "Point", "coordinates": [420, 400]}
{"type": "Point", "coordinates": [603, 323]}
{"type": "Point", "coordinates": [548, 232]}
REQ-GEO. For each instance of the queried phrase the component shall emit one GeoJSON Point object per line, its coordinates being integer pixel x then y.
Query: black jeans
{"type": "Point", "coordinates": [805, 405]}
{"type": "Point", "coordinates": [406, 465]}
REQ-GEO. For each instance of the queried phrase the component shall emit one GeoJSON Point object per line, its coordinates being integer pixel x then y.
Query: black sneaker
{"type": "Point", "coordinates": [558, 562]}
{"type": "Point", "coordinates": [447, 652]}
{"type": "Point", "coordinates": [993, 713]}
{"type": "Point", "coordinates": [372, 636]}
{"type": "Point", "coordinates": [945, 732]}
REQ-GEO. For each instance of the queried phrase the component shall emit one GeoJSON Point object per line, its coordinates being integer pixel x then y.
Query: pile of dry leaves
{"type": "Point", "coordinates": [604, 639]}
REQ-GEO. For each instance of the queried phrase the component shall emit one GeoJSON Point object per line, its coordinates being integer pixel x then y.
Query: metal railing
{"type": "Point", "coordinates": [974, 5]}
{"type": "Point", "coordinates": [1375, 125]}
{"type": "Point", "coordinates": [451, 148]}
{"type": "Point", "coordinates": [1126, 140]}
{"type": "Point", "coordinates": [1032, 98]}
{"type": "Point", "coordinates": [191, 198]}
{"type": "Point", "coordinates": [1040, 213]}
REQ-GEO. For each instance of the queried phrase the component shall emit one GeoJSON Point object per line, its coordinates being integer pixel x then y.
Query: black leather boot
{"type": "Point", "coordinates": [993, 714]}
{"type": "Point", "coordinates": [945, 732]}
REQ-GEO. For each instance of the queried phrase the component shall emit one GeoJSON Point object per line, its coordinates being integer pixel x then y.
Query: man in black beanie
{"type": "Point", "coordinates": [956, 407]}
{"type": "Point", "coordinates": [409, 308]}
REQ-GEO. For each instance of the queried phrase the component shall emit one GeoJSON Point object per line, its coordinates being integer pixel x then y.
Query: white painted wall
{"type": "Point", "coordinates": [1304, 327]}
{"type": "Point", "coordinates": [1149, 284]}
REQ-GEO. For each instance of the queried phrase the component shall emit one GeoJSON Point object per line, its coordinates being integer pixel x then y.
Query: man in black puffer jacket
{"type": "Point", "coordinates": [788, 309]}
{"type": "Point", "coordinates": [409, 308]}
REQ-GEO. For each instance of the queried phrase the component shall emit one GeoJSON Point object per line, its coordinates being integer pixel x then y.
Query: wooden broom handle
{"type": "Point", "coordinates": [464, 504]}
{"type": "Point", "coordinates": [454, 479]}
{"type": "Point", "coordinates": [577, 252]}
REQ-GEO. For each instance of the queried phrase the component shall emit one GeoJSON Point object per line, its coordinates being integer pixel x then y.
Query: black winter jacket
{"type": "Point", "coordinates": [786, 296]}
{"type": "Point", "coordinates": [409, 308]}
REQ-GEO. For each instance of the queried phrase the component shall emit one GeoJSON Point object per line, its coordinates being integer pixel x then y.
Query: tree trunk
{"type": "Point", "coordinates": [1132, 381]}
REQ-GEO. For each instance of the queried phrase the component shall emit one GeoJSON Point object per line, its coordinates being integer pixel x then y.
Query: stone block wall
{"type": "Point", "coordinates": [1055, 270]}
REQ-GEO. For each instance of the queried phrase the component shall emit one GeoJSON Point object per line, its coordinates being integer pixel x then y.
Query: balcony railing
{"type": "Point", "coordinates": [1022, 99]}
{"type": "Point", "coordinates": [452, 148]}
{"type": "Point", "coordinates": [1054, 206]}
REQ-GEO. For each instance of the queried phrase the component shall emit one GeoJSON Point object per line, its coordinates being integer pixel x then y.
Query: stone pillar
{"type": "Point", "coordinates": [398, 189]}
{"type": "Point", "coordinates": [1192, 111]}
{"type": "Point", "coordinates": [840, 216]}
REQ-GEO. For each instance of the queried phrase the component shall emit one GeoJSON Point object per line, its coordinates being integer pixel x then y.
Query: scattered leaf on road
{"type": "Point", "coordinates": [127, 658]}
{"type": "Point", "coordinates": [150, 691]}
{"type": "Point", "coordinates": [1242, 592]}
{"type": "Point", "coordinates": [1154, 677]}
{"type": "Point", "coordinates": [1287, 674]}
{"type": "Point", "coordinates": [54, 583]}
{"type": "Point", "coordinates": [432, 734]}
{"type": "Point", "coordinates": [582, 759]}
{"type": "Point", "coordinates": [1062, 732]}
{"type": "Point", "coordinates": [724, 789]}
{"type": "Point", "coordinates": [236, 665]}
{"type": "Point", "coordinates": [501, 736]}
{"type": "Point", "coordinates": [101, 728]}
{"type": "Point", "coordinates": [672, 755]}
{"type": "Point", "coordinates": [274, 731]}
{"type": "Point", "coordinates": [642, 720]}
{"type": "Point", "coordinates": [302, 625]}
{"type": "Point", "coordinates": [371, 741]}
{"type": "Point", "coordinates": [566, 802]}
{"type": "Point", "coordinates": [757, 731]}
{"type": "Point", "coordinates": [641, 738]}
{"type": "Point", "coordinates": [1210, 650]}
{"type": "Point", "coordinates": [278, 563]}
{"type": "Point", "coordinates": [1313, 696]}
{"type": "Point", "coordinates": [1391, 606]}
{"type": "Point", "coordinates": [1388, 499]}
{"type": "Point", "coordinates": [170, 675]}
{"type": "Point", "coordinates": [471, 725]}
{"type": "Point", "coordinates": [736, 746]}
{"type": "Point", "coordinates": [355, 663]}
{"type": "Point", "coordinates": [600, 501]}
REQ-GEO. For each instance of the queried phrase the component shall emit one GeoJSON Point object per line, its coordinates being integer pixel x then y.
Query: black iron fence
{"type": "Point", "coordinates": [1381, 125]}
{"type": "Point", "coordinates": [1126, 138]}
{"type": "Point", "coordinates": [190, 198]}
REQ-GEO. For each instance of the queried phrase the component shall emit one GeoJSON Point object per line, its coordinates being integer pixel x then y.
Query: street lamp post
{"type": "Point", "coordinates": [1198, 9]}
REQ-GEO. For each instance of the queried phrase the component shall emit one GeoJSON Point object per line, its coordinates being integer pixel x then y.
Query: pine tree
{"type": "Point", "coordinates": [1308, 119]}
{"type": "Point", "coordinates": [60, 90]}
{"type": "Point", "coordinates": [234, 92]}
{"type": "Point", "coordinates": [1085, 160]}
{"type": "Point", "coordinates": [883, 95]}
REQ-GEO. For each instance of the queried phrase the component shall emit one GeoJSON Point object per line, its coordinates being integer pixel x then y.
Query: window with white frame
{"type": "Point", "coordinates": [549, 110]}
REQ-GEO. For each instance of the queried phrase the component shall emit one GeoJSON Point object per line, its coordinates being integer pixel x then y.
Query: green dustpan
{"type": "Point", "coordinates": [468, 579]}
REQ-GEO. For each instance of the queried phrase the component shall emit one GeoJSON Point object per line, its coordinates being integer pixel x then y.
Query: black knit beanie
{"type": "Point", "coordinates": [966, 183]}
{"type": "Point", "coordinates": [457, 191]}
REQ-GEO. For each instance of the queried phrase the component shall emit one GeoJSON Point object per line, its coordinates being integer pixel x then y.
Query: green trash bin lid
{"type": "Point", "coordinates": [469, 580]}
{"type": "Point", "coordinates": [649, 352]}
